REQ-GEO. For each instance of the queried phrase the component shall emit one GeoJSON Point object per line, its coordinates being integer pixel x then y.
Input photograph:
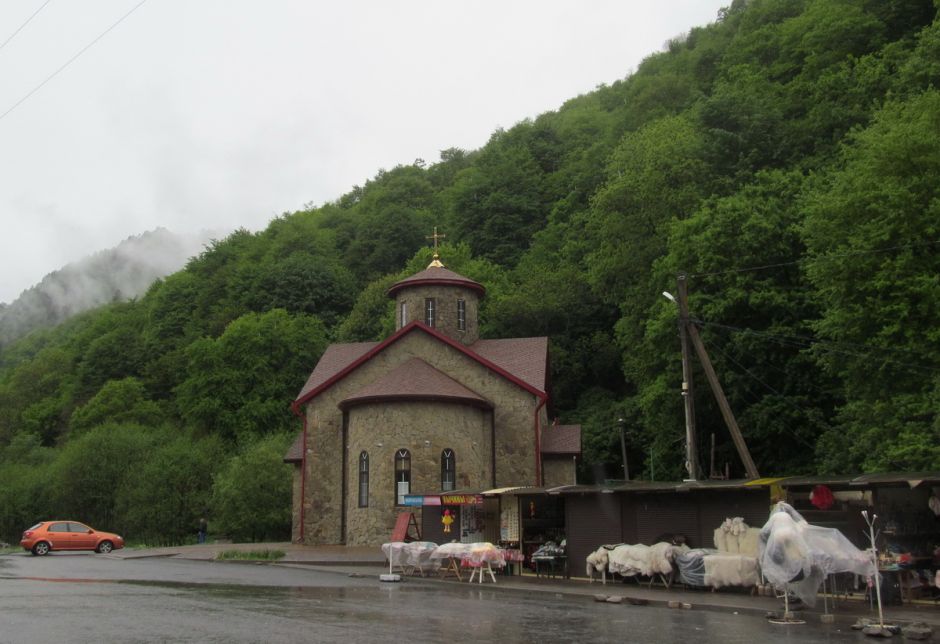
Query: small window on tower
{"type": "Point", "coordinates": [461, 315]}
{"type": "Point", "coordinates": [429, 311]}
{"type": "Point", "coordinates": [404, 315]}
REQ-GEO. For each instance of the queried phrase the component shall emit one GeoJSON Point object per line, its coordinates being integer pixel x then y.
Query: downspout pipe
{"type": "Point", "coordinates": [303, 469]}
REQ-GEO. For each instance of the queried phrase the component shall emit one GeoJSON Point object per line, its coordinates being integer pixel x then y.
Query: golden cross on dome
{"type": "Point", "coordinates": [436, 237]}
{"type": "Point", "coordinates": [436, 261]}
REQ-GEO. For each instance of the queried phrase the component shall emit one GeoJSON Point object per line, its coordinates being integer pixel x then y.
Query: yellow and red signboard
{"type": "Point", "coordinates": [461, 499]}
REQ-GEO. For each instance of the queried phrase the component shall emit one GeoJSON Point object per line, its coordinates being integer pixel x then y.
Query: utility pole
{"type": "Point", "coordinates": [691, 451]}
{"type": "Point", "coordinates": [623, 448]}
{"type": "Point", "coordinates": [726, 412]}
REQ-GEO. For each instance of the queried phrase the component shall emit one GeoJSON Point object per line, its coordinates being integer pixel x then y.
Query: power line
{"type": "Point", "coordinates": [802, 342]}
{"type": "Point", "coordinates": [20, 28]}
{"type": "Point", "coordinates": [814, 259]}
{"type": "Point", "coordinates": [73, 58]}
{"type": "Point", "coordinates": [782, 396]}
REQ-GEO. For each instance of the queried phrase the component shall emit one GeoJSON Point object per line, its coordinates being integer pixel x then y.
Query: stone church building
{"type": "Point", "coordinates": [432, 409]}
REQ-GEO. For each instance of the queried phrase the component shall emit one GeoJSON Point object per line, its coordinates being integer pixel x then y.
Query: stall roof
{"type": "Point", "coordinates": [912, 479]}
{"type": "Point", "coordinates": [635, 486]}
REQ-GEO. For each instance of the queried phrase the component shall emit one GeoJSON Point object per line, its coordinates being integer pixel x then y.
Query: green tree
{"type": "Point", "coordinates": [118, 401]}
{"type": "Point", "coordinates": [170, 491]}
{"type": "Point", "coordinates": [240, 385]}
{"type": "Point", "coordinates": [872, 229]}
{"type": "Point", "coordinates": [251, 494]}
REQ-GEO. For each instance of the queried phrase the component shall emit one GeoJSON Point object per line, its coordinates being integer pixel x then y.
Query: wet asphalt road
{"type": "Point", "coordinates": [85, 597]}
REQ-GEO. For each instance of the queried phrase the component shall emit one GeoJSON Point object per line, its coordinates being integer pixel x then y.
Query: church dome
{"type": "Point", "coordinates": [436, 275]}
{"type": "Point", "coordinates": [440, 298]}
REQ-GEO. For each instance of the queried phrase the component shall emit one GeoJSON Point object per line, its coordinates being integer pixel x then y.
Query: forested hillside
{"type": "Point", "coordinates": [786, 157]}
{"type": "Point", "coordinates": [114, 275]}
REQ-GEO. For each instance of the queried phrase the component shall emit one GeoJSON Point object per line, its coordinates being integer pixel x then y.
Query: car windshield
{"type": "Point", "coordinates": [35, 526]}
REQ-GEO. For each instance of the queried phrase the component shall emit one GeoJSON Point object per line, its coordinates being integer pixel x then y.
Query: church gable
{"type": "Point", "coordinates": [527, 357]}
{"type": "Point", "coordinates": [415, 380]}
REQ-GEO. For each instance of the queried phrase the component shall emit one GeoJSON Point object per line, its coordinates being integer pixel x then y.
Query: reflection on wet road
{"type": "Point", "coordinates": [80, 598]}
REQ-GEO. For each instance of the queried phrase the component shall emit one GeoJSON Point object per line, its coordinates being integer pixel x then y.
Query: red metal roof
{"type": "Point", "coordinates": [561, 439]}
{"type": "Point", "coordinates": [415, 380]}
{"type": "Point", "coordinates": [436, 275]}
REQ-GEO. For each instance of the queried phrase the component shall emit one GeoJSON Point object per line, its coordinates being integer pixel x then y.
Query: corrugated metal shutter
{"type": "Point", "coordinates": [659, 515]}
{"type": "Point", "coordinates": [591, 520]}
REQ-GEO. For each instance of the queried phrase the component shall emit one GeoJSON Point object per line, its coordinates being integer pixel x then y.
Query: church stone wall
{"type": "Point", "coordinates": [425, 429]}
{"type": "Point", "coordinates": [323, 502]}
{"type": "Point", "coordinates": [295, 503]}
{"type": "Point", "coordinates": [558, 470]}
{"type": "Point", "coordinates": [445, 310]}
{"type": "Point", "coordinates": [514, 416]}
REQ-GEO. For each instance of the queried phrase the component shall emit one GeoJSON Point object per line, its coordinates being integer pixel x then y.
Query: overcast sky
{"type": "Point", "coordinates": [214, 114]}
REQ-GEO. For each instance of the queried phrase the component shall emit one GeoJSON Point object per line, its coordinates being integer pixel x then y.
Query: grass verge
{"type": "Point", "coordinates": [250, 555]}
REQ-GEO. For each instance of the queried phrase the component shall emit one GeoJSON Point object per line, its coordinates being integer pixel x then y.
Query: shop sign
{"type": "Point", "coordinates": [413, 500]}
{"type": "Point", "coordinates": [432, 500]}
{"type": "Point", "coordinates": [461, 499]}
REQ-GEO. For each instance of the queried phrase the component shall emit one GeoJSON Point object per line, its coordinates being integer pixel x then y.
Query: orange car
{"type": "Point", "coordinates": [68, 535]}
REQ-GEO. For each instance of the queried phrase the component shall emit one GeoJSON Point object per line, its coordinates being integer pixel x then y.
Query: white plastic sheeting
{"type": "Point", "coordinates": [798, 555]}
{"type": "Point", "coordinates": [473, 553]}
{"type": "Point", "coordinates": [408, 556]}
{"type": "Point", "coordinates": [639, 559]}
{"type": "Point", "coordinates": [708, 567]}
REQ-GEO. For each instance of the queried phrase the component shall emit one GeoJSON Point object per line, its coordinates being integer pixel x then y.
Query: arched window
{"type": "Point", "coordinates": [404, 314]}
{"type": "Point", "coordinates": [402, 475]}
{"type": "Point", "coordinates": [364, 480]}
{"type": "Point", "coordinates": [461, 315]}
{"type": "Point", "coordinates": [429, 311]}
{"type": "Point", "coordinates": [448, 470]}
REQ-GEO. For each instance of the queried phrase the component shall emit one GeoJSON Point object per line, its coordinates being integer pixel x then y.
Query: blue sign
{"type": "Point", "coordinates": [414, 500]}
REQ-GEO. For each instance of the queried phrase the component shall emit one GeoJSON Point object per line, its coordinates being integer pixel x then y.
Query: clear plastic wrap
{"type": "Point", "coordinates": [415, 554]}
{"type": "Point", "coordinates": [798, 555]}
{"type": "Point", "coordinates": [691, 566]}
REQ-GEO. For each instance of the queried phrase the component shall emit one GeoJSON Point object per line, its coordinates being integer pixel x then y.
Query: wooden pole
{"type": "Point", "coordinates": [623, 449]}
{"type": "Point", "coordinates": [691, 448]}
{"type": "Point", "coordinates": [726, 412]}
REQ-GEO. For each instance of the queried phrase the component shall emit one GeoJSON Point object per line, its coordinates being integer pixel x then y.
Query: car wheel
{"type": "Point", "coordinates": [105, 547]}
{"type": "Point", "coordinates": [41, 548]}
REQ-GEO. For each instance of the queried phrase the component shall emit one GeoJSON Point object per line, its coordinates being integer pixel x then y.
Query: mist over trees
{"type": "Point", "coordinates": [784, 157]}
{"type": "Point", "coordinates": [114, 275]}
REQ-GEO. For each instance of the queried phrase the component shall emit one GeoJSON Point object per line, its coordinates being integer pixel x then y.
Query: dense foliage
{"type": "Point", "coordinates": [785, 157]}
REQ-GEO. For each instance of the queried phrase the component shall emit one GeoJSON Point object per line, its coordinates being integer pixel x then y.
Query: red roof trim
{"type": "Point", "coordinates": [475, 402]}
{"type": "Point", "coordinates": [408, 328]}
{"type": "Point", "coordinates": [468, 284]}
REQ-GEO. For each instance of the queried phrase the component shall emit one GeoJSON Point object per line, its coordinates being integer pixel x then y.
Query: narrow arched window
{"type": "Point", "coordinates": [364, 480]}
{"type": "Point", "coordinates": [448, 470]}
{"type": "Point", "coordinates": [402, 475]}
{"type": "Point", "coordinates": [429, 311]}
{"type": "Point", "coordinates": [461, 315]}
{"type": "Point", "coordinates": [404, 314]}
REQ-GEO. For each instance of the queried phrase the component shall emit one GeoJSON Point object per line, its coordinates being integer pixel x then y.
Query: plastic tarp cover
{"type": "Point", "coordinates": [640, 559]}
{"type": "Point", "coordinates": [471, 553]}
{"type": "Point", "coordinates": [415, 553]}
{"type": "Point", "coordinates": [691, 566]}
{"type": "Point", "coordinates": [798, 555]}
